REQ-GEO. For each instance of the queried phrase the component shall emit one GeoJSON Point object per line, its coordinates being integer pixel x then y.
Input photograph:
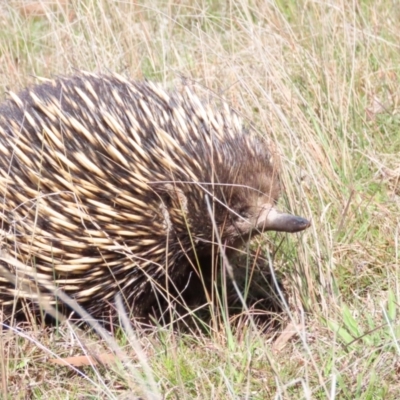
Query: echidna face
{"type": "Point", "coordinates": [254, 206]}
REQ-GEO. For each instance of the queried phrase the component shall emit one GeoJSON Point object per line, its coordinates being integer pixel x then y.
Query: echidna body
{"type": "Point", "coordinates": [110, 186]}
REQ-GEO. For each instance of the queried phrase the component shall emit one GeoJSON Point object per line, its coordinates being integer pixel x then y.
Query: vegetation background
{"type": "Point", "coordinates": [322, 79]}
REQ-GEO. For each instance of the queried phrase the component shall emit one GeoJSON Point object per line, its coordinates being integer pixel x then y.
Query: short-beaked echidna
{"type": "Point", "coordinates": [110, 186]}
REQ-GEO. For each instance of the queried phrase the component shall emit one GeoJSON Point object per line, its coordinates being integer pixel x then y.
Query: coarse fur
{"type": "Point", "coordinates": [110, 186]}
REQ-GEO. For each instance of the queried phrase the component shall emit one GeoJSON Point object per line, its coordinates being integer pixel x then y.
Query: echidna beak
{"type": "Point", "coordinates": [274, 220]}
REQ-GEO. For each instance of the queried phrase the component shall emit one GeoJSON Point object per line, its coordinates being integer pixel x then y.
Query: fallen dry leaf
{"type": "Point", "coordinates": [41, 8]}
{"type": "Point", "coordinates": [79, 361]}
{"type": "Point", "coordinates": [286, 335]}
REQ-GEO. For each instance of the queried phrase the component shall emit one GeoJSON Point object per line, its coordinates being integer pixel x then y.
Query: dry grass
{"type": "Point", "coordinates": [321, 78]}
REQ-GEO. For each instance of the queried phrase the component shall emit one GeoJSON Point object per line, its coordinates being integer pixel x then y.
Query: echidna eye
{"type": "Point", "coordinates": [243, 212]}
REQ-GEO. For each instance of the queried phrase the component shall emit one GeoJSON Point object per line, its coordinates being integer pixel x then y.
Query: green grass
{"type": "Point", "coordinates": [320, 78]}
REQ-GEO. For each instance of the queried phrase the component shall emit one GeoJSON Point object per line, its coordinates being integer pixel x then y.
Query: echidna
{"type": "Point", "coordinates": [110, 186]}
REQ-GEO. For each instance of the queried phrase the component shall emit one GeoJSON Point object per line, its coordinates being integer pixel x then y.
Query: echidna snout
{"type": "Point", "coordinates": [271, 219]}
{"type": "Point", "coordinates": [266, 217]}
{"type": "Point", "coordinates": [105, 183]}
